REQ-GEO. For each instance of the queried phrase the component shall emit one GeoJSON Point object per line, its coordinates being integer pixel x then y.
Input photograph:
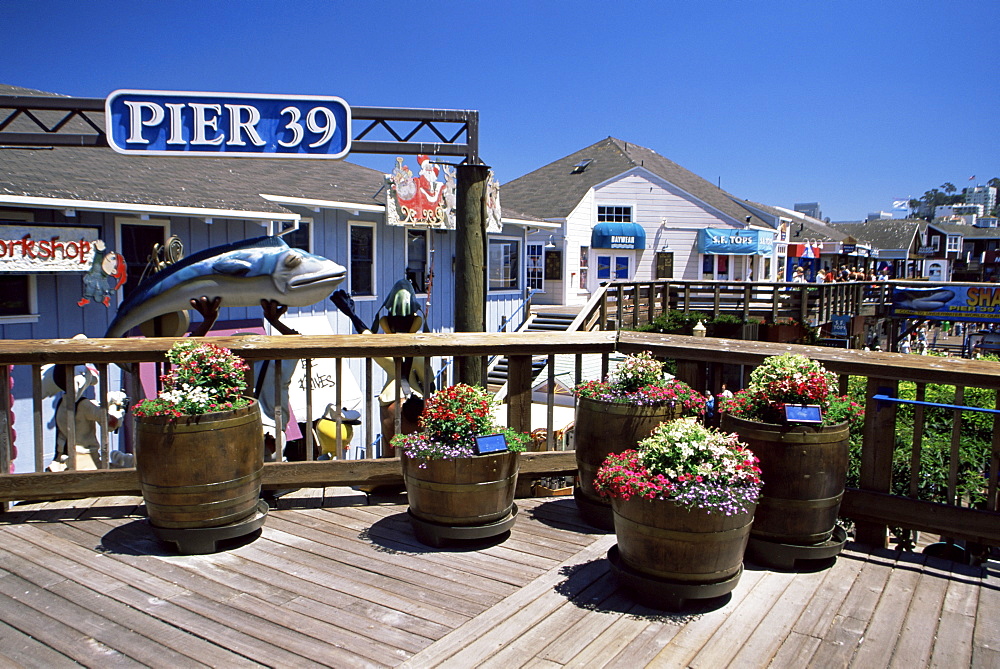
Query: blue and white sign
{"type": "Point", "coordinates": [231, 125]}
{"type": "Point", "coordinates": [726, 241]}
{"type": "Point", "coordinates": [840, 326]}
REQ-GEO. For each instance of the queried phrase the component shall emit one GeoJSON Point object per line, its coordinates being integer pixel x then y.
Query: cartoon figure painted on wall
{"type": "Point", "coordinates": [403, 316]}
{"type": "Point", "coordinates": [105, 265]}
{"type": "Point", "coordinates": [423, 199]}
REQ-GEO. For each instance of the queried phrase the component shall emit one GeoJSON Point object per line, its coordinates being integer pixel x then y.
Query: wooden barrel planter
{"type": "Point", "coordinates": [603, 428]}
{"type": "Point", "coordinates": [667, 554]}
{"type": "Point", "coordinates": [462, 498]}
{"type": "Point", "coordinates": [200, 475]}
{"type": "Point", "coordinates": [804, 469]}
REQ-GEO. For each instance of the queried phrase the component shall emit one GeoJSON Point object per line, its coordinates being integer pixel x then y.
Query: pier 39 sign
{"type": "Point", "coordinates": [231, 125]}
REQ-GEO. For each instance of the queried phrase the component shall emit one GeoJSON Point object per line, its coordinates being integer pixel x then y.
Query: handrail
{"type": "Point", "coordinates": [872, 505]}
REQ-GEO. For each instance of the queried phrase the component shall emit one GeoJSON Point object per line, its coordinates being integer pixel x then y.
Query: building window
{"type": "Point", "coordinates": [936, 243]}
{"type": "Point", "coordinates": [416, 258]}
{"type": "Point", "coordinates": [503, 264]}
{"type": "Point", "coordinates": [535, 273]}
{"type": "Point", "coordinates": [300, 238]}
{"type": "Point", "coordinates": [584, 259]}
{"type": "Point", "coordinates": [613, 214]}
{"type": "Point", "coordinates": [954, 243]}
{"type": "Point", "coordinates": [362, 260]}
{"type": "Point", "coordinates": [17, 295]}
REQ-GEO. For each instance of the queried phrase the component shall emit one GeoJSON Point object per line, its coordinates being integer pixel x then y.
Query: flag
{"type": "Point", "coordinates": [972, 178]}
{"type": "Point", "coordinates": [899, 204]}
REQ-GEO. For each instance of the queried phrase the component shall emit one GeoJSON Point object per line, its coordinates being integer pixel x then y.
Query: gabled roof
{"type": "Point", "coordinates": [553, 191]}
{"type": "Point", "coordinates": [884, 233]}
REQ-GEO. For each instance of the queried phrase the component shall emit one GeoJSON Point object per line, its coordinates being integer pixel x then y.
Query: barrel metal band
{"type": "Point", "coordinates": [455, 487]}
{"type": "Point", "coordinates": [823, 503]}
{"type": "Point", "coordinates": [688, 537]}
{"type": "Point", "coordinates": [251, 478]}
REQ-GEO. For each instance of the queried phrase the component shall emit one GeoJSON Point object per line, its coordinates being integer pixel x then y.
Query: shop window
{"type": "Point", "coordinates": [613, 214]}
{"type": "Point", "coordinates": [362, 260]}
{"type": "Point", "coordinates": [535, 273]}
{"type": "Point", "coordinates": [17, 295]}
{"type": "Point", "coordinates": [503, 264]}
{"type": "Point", "coordinates": [621, 267]}
{"type": "Point", "coordinates": [416, 258]}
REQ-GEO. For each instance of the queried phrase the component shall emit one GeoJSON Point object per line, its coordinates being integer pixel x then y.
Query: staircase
{"type": "Point", "coordinates": [539, 322]}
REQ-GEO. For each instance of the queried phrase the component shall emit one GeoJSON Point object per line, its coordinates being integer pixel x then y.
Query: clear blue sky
{"type": "Point", "coordinates": [849, 104]}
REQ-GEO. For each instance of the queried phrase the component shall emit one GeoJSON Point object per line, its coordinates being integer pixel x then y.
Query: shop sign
{"type": "Point", "coordinates": [925, 250]}
{"type": "Point", "coordinates": [952, 302]}
{"type": "Point", "coordinates": [723, 241]}
{"type": "Point", "coordinates": [31, 248]}
{"type": "Point", "coordinates": [229, 125]}
{"type": "Point", "coordinates": [848, 248]}
{"type": "Point", "coordinates": [839, 326]}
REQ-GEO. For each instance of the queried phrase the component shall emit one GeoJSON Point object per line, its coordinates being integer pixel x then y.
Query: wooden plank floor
{"type": "Point", "coordinates": [87, 583]}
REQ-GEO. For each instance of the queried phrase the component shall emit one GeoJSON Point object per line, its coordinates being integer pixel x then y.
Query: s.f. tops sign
{"type": "Point", "coordinates": [32, 248]}
{"type": "Point", "coordinates": [183, 123]}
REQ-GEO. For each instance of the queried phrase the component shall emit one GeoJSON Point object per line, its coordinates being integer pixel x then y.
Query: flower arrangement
{"type": "Point", "coordinates": [790, 378]}
{"type": "Point", "coordinates": [639, 380]}
{"type": "Point", "coordinates": [451, 420]}
{"type": "Point", "coordinates": [695, 466]}
{"type": "Point", "coordinates": [205, 378]}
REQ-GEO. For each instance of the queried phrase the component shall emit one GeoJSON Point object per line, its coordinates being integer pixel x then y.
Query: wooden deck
{"type": "Point", "coordinates": [86, 583]}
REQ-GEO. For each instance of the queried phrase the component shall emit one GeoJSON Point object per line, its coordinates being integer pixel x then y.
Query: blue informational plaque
{"type": "Point", "coordinates": [493, 443]}
{"type": "Point", "coordinates": [803, 413]}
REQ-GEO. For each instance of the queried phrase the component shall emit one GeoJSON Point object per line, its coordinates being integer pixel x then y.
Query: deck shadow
{"type": "Point", "coordinates": [137, 538]}
{"type": "Point", "coordinates": [394, 534]}
{"type": "Point", "coordinates": [592, 586]}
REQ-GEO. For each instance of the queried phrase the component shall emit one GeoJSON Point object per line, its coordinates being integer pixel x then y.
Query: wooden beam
{"type": "Point", "coordinates": [951, 521]}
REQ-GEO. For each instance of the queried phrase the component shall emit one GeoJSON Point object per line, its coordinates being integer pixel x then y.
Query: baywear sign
{"type": "Point", "coordinates": [230, 125]}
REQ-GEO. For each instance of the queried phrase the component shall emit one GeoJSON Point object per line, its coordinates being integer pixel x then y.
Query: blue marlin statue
{"type": "Point", "coordinates": [242, 274]}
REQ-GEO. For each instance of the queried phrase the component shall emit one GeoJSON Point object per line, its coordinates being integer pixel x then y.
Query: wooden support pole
{"type": "Point", "coordinates": [876, 454]}
{"type": "Point", "coordinates": [470, 266]}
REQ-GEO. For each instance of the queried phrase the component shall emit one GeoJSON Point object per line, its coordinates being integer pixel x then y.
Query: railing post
{"type": "Point", "coordinates": [876, 454]}
{"type": "Point", "coordinates": [519, 393]}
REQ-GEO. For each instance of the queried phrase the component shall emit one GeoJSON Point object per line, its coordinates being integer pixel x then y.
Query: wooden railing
{"type": "Point", "coordinates": [631, 304]}
{"type": "Point", "coordinates": [872, 505]}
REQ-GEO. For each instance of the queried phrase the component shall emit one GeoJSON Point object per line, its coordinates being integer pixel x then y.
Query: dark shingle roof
{"type": "Point", "coordinates": [967, 231]}
{"type": "Point", "coordinates": [552, 191]}
{"type": "Point", "coordinates": [87, 173]}
{"type": "Point", "coordinates": [884, 233]}
{"type": "Point", "coordinates": [95, 174]}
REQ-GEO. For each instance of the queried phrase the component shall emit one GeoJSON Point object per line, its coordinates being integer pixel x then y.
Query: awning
{"type": "Point", "coordinates": [618, 236]}
{"type": "Point", "coordinates": [727, 241]}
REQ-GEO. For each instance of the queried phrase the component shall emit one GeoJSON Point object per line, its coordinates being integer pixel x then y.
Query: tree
{"type": "Point", "coordinates": [948, 187]}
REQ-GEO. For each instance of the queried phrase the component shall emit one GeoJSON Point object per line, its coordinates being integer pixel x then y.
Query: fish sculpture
{"type": "Point", "coordinates": [242, 274]}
